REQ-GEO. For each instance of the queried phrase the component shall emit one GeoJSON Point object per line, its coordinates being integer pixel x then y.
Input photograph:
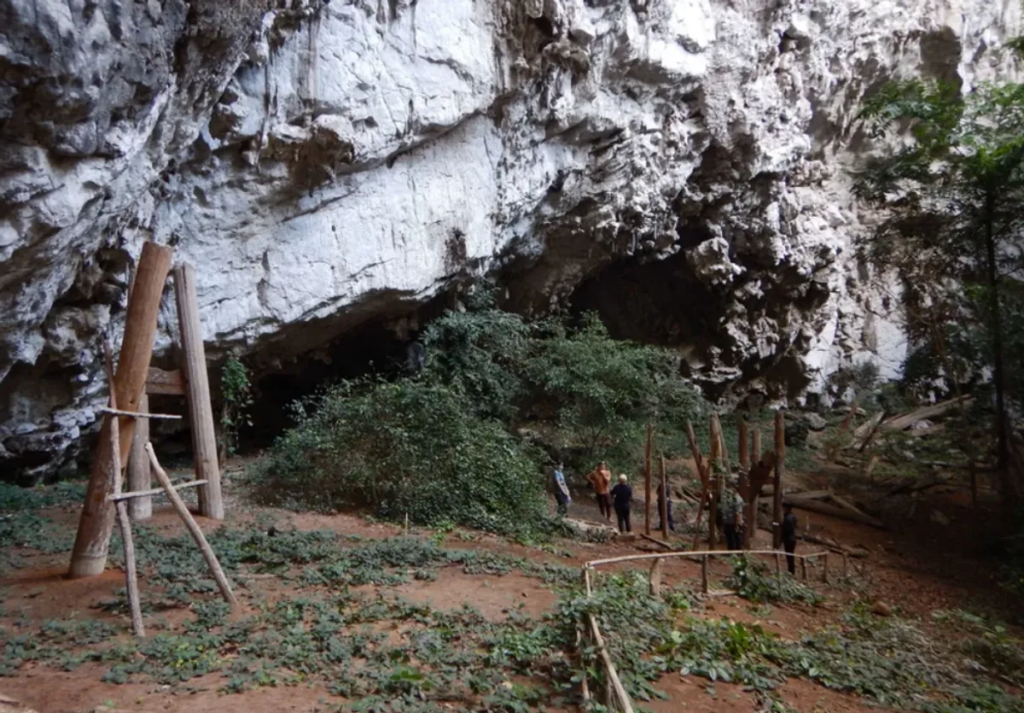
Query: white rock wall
{"type": "Point", "coordinates": [323, 162]}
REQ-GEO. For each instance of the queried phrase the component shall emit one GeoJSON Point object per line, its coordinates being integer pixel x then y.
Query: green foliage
{"type": "Point", "coordinates": [753, 581]}
{"type": "Point", "coordinates": [954, 200]}
{"type": "Point", "coordinates": [480, 354]}
{"type": "Point", "coordinates": [409, 447]}
{"type": "Point", "coordinates": [236, 393]}
{"type": "Point", "coordinates": [606, 391]}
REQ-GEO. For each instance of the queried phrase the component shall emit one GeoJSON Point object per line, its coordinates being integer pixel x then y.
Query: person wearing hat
{"type": "Point", "coordinates": [622, 497]}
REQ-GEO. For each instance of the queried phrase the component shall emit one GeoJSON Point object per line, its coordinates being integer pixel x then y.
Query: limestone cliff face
{"type": "Point", "coordinates": [680, 165]}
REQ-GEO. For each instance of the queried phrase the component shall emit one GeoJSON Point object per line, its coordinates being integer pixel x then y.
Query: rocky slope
{"type": "Point", "coordinates": [678, 164]}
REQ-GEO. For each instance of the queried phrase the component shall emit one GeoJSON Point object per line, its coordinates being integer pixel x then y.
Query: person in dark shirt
{"type": "Point", "coordinates": [789, 537]}
{"type": "Point", "coordinates": [664, 494]}
{"type": "Point", "coordinates": [622, 496]}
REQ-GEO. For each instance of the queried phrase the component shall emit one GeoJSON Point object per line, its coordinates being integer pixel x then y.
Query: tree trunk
{"type": "Point", "coordinates": [89, 556]}
{"type": "Point", "coordinates": [1006, 483]}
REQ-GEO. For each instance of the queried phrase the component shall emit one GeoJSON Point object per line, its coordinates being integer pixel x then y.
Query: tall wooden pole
{"type": "Point", "coordinates": [703, 473]}
{"type": "Point", "coordinates": [89, 556]}
{"type": "Point", "coordinates": [197, 393]}
{"type": "Point", "coordinates": [664, 500]}
{"type": "Point", "coordinates": [744, 456]}
{"type": "Point", "coordinates": [138, 466]}
{"type": "Point", "coordinates": [780, 467]}
{"type": "Point", "coordinates": [753, 506]}
{"type": "Point", "coordinates": [647, 481]}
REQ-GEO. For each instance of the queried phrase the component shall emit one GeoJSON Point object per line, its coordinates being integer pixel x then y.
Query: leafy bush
{"type": "Point", "coordinates": [408, 447]}
{"type": "Point", "coordinates": [606, 391]}
{"type": "Point", "coordinates": [753, 581]}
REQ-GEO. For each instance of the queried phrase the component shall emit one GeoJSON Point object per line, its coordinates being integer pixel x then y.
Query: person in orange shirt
{"type": "Point", "coordinates": [601, 479]}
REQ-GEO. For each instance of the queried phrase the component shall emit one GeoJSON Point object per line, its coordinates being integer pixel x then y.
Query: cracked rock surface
{"type": "Point", "coordinates": [681, 165]}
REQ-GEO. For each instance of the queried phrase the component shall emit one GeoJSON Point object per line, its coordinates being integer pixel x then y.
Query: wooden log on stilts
{"type": "Point", "coordinates": [139, 474]}
{"type": "Point", "coordinates": [780, 467]}
{"type": "Point", "coordinates": [664, 500]}
{"type": "Point", "coordinates": [197, 393]}
{"type": "Point", "coordinates": [130, 575]}
{"type": "Point", "coordinates": [193, 528]}
{"type": "Point", "coordinates": [92, 542]}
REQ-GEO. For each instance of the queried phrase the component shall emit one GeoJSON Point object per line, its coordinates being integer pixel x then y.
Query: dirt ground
{"type": "Point", "coordinates": [915, 568]}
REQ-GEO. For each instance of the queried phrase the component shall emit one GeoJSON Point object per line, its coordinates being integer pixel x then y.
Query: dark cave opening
{"type": "Point", "coordinates": [656, 302]}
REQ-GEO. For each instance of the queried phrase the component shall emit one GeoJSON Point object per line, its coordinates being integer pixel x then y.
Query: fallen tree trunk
{"type": "Point", "coordinates": [833, 511]}
{"type": "Point", "coordinates": [898, 423]}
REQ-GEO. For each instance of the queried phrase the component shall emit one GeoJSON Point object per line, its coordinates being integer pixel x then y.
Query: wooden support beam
{"type": "Point", "coordinates": [197, 393]}
{"type": "Point", "coordinates": [140, 414]}
{"type": "Point", "coordinates": [744, 455]}
{"type": "Point", "coordinates": [140, 508]}
{"type": "Point", "coordinates": [647, 480]}
{"type": "Point", "coordinates": [92, 542]}
{"type": "Point", "coordinates": [193, 528]}
{"type": "Point", "coordinates": [130, 575]}
{"type": "Point", "coordinates": [155, 491]}
{"type": "Point", "coordinates": [165, 383]}
{"type": "Point", "coordinates": [780, 468]}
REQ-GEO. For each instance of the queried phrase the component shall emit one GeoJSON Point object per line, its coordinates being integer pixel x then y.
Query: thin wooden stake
{"type": "Point", "coordinates": [193, 528]}
{"type": "Point", "coordinates": [704, 574]}
{"type": "Point", "coordinates": [140, 414]}
{"type": "Point", "coordinates": [92, 541]}
{"type": "Point", "coordinates": [131, 497]}
{"type": "Point", "coordinates": [702, 473]}
{"type": "Point", "coordinates": [130, 575]}
{"type": "Point", "coordinates": [778, 570]}
{"type": "Point", "coordinates": [664, 500]}
{"type": "Point", "coordinates": [803, 569]}
{"type": "Point", "coordinates": [647, 481]}
{"type": "Point", "coordinates": [780, 467]}
{"type": "Point", "coordinates": [197, 393]}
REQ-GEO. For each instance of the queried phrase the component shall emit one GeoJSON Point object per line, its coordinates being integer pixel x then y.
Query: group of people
{"type": "Point", "coordinates": [730, 516]}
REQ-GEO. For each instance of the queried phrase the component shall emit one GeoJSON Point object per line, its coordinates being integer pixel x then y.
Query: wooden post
{"type": "Point", "coordinates": [138, 466]}
{"type": "Point", "coordinates": [647, 481]}
{"type": "Point", "coordinates": [722, 449]}
{"type": "Point", "coordinates": [704, 574]}
{"type": "Point", "coordinates": [755, 445]}
{"type": "Point", "coordinates": [656, 574]}
{"type": "Point", "coordinates": [92, 542]}
{"type": "Point", "coordinates": [803, 568]}
{"type": "Point", "coordinates": [778, 570]}
{"type": "Point", "coordinates": [713, 513]}
{"type": "Point", "coordinates": [702, 473]}
{"type": "Point", "coordinates": [193, 528]}
{"type": "Point", "coordinates": [780, 467]}
{"type": "Point", "coordinates": [824, 568]}
{"type": "Point", "coordinates": [753, 505]}
{"type": "Point", "coordinates": [130, 575]}
{"type": "Point", "coordinates": [664, 500]}
{"type": "Point", "coordinates": [197, 393]}
{"type": "Point", "coordinates": [744, 455]}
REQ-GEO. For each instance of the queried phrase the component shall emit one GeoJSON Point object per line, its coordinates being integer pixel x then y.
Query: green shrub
{"type": "Point", "coordinates": [409, 447]}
